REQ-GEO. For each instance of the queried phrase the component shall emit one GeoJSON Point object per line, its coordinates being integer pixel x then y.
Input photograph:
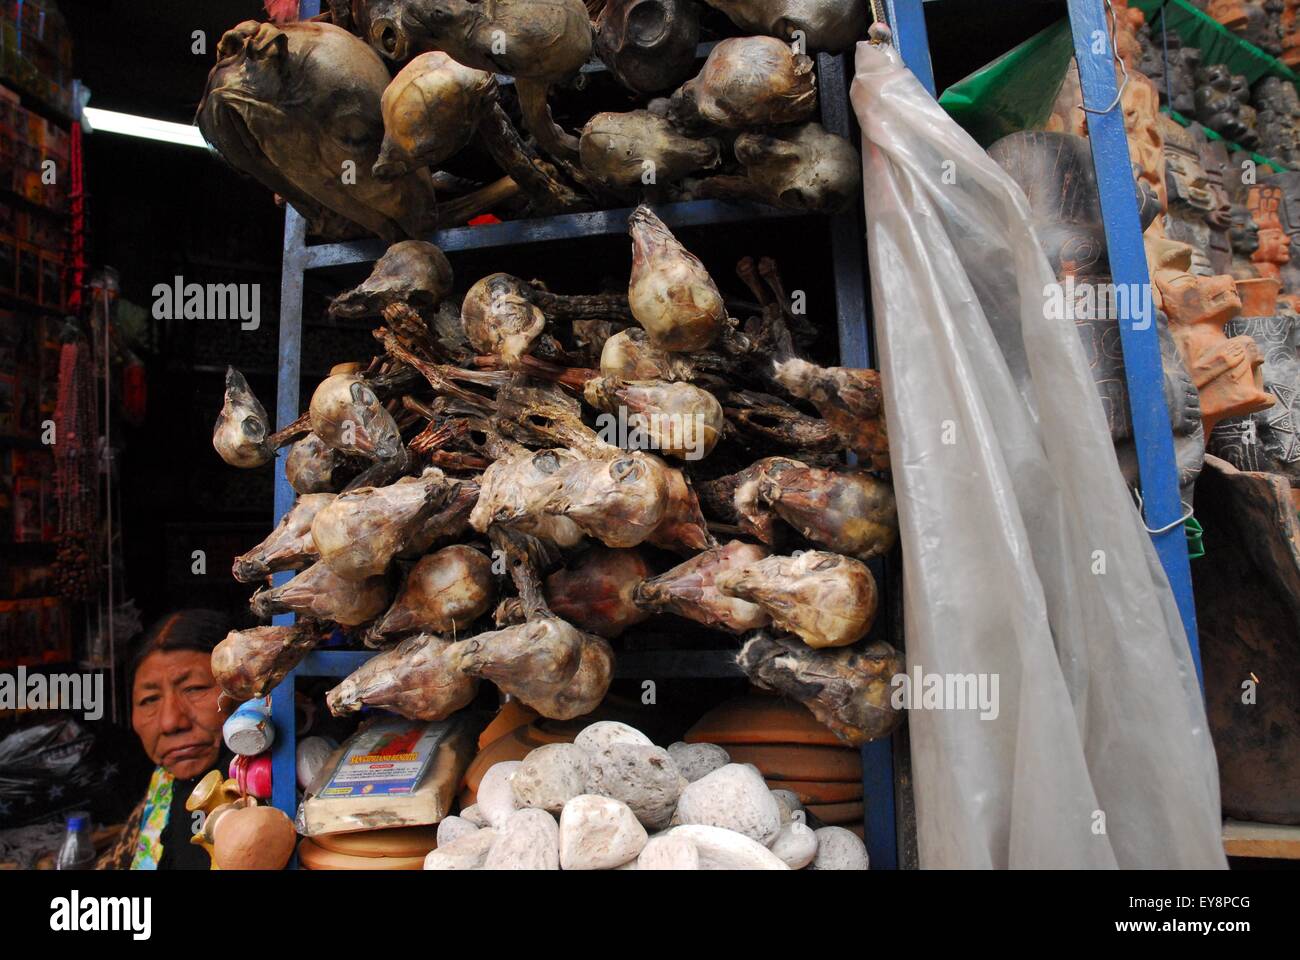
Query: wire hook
{"type": "Point", "coordinates": [1114, 46]}
{"type": "Point", "coordinates": [1165, 529]}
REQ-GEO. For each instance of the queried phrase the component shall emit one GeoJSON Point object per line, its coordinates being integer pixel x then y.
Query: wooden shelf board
{"type": "Point", "coordinates": [1270, 840]}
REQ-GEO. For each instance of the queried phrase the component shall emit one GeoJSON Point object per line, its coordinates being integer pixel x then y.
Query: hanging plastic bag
{"type": "Point", "coordinates": [1025, 560]}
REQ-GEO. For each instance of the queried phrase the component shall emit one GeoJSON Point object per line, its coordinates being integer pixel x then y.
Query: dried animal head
{"type": "Point", "coordinates": [629, 151]}
{"type": "Point", "coordinates": [417, 679]}
{"type": "Point", "coordinates": [242, 429]}
{"type": "Point", "coordinates": [648, 45]}
{"type": "Point", "coordinates": [690, 589]}
{"type": "Point", "coordinates": [827, 599]}
{"type": "Point", "coordinates": [500, 318]}
{"type": "Point", "coordinates": [805, 168]}
{"type": "Point", "coordinates": [251, 663]}
{"type": "Point", "coordinates": [848, 690]}
{"type": "Point", "coordinates": [320, 594]}
{"type": "Point", "coordinates": [413, 272]}
{"type": "Point", "coordinates": [619, 501]}
{"type": "Point", "coordinates": [444, 593]}
{"type": "Point", "coordinates": [676, 419]}
{"type": "Point", "coordinates": [547, 664]}
{"type": "Point", "coordinates": [512, 491]}
{"type": "Point", "coordinates": [310, 466]}
{"type": "Point", "coordinates": [296, 107]}
{"type": "Point", "coordinates": [832, 25]}
{"type": "Point", "coordinates": [595, 592]}
{"type": "Point", "coordinates": [431, 110]}
{"type": "Point", "coordinates": [847, 510]}
{"type": "Point", "coordinates": [360, 532]}
{"type": "Point", "coordinates": [631, 355]}
{"type": "Point", "coordinates": [671, 294]}
{"type": "Point", "coordinates": [747, 82]}
{"type": "Point", "coordinates": [289, 547]}
{"type": "Point", "coordinates": [347, 415]}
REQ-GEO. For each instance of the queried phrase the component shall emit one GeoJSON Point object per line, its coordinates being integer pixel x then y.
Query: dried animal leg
{"type": "Point", "coordinates": [320, 594]}
{"type": "Point", "coordinates": [690, 590]}
{"type": "Point", "coordinates": [849, 690]}
{"type": "Point", "coordinates": [359, 533]}
{"type": "Point", "coordinates": [595, 593]}
{"type": "Point", "coordinates": [851, 401]}
{"type": "Point", "coordinates": [444, 593]}
{"type": "Point", "coordinates": [289, 546]}
{"type": "Point", "coordinates": [418, 679]}
{"type": "Point", "coordinates": [827, 599]}
{"type": "Point", "coordinates": [775, 421]}
{"type": "Point", "coordinates": [249, 664]}
{"type": "Point", "coordinates": [546, 663]}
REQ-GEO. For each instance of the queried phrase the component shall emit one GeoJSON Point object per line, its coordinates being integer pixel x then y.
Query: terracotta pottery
{"type": "Point", "coordinates": [837, 814]}
{"type": "Point", "coordinates": [820, 791]}
{"type": "Point", "coordinates": [315, 857]}
{"type": "Point", "coordinates": [759, 718]}
{"type": "Point", "coordinates": [376, 844]}
{"type": "Point", "coordinates": [1231, 13]}
{"type": "Point", "coordinates": [512, 715]}
{"type": "Point", "coordinates": [1226, 371]}
{"type": "Point", "coordinates": [1265, 203]}
{"type": "Point", "coordinates": [515, 745]}
{"type": "Point", "coordinates": [799, 761]}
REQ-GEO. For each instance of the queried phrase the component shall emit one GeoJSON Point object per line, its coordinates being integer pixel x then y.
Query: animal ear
{"type": "Point", "coordinates": [232, 42]}
{"type": "Point", "coordinates": [269, 43]}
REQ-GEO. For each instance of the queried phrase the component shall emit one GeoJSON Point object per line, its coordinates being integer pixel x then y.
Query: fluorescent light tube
{"type": "Point", "coordinates": [110, 121]}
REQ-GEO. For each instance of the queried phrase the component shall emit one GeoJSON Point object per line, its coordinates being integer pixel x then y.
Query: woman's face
{"type": "Point", "coordinates": [176, 711]}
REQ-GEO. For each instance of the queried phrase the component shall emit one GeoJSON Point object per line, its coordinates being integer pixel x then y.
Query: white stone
{"type": "Point", "coordinates": [550, 776]}
{"type": "Point", "coordinates": [644, 777]}
{"type": "Point", "coordinates": [668, 852]}
{"type": "Point", "coordinates": [466, 853]}
{"type": "Point", "coordinates": [721, 849]}
{"type": "Point", "coordinates": [796, 845]}
{"type": "Point", "coordinates": [839, 849]}
{"type": "Point", "coordinates": [734, 797]}
{"type": "Point", "coordinates": [453, 828]}
{"type": "Point", "coordinates": [696, 760]}
{"type": "Point", "coordinates": [602, 733]}
{"type": "Point", "coordinates": [530, 840]}
{"type": "Point", "coordinates": [496, 801]}
{"type": "Point", "coordinates": [598, 833]}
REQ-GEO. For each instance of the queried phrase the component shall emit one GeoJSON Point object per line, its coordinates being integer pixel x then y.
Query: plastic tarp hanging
{"type": "Point", "coordinates": [1024, 556]}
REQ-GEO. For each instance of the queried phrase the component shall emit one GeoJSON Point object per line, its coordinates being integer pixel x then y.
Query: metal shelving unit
{"type": "Point", "coordinates": [848, 257]}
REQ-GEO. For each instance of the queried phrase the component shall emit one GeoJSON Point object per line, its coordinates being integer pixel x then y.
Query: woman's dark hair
{"type": "Point", "coordinates": [194, 629]}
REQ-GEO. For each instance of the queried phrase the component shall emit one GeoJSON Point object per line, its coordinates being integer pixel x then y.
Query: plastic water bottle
{"type": "Point", "coordinates": [77, 852]}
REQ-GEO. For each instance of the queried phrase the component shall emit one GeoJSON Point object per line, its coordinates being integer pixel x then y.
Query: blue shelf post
{"type": "Point", "coordinates": [1152, 433]}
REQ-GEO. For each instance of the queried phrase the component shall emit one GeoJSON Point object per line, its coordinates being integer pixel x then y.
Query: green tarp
{"type": "Point", "coordinates": [1014, 92]}
{"type": "Point", "coordinates": [1216, 42]}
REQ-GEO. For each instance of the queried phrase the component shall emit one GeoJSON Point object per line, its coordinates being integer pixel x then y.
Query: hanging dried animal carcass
{"type": "Point", "coordinates": [297, 108]}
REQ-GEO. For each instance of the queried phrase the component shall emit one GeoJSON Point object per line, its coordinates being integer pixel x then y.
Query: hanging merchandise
{"type": "Point", "coordinates": [1095, 752]}
{"type": "Point", "coordinates": [76, 480]}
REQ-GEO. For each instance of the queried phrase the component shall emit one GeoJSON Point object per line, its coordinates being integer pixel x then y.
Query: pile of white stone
{"type": "Point", "coordinates": [613, 800]}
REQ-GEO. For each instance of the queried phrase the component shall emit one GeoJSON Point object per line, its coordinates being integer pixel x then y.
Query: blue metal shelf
{"type": "Point", "coordinates": [1150, 416]}
{"type": "Point", "coordinates": [849, 258]}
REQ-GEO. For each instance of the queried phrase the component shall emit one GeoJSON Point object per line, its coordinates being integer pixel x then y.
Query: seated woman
{"type": "Point", "coordinates": [177, 711]}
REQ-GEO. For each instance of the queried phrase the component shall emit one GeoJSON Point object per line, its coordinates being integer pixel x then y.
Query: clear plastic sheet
{"type": "Point", "coordinates": [1010, 502]}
